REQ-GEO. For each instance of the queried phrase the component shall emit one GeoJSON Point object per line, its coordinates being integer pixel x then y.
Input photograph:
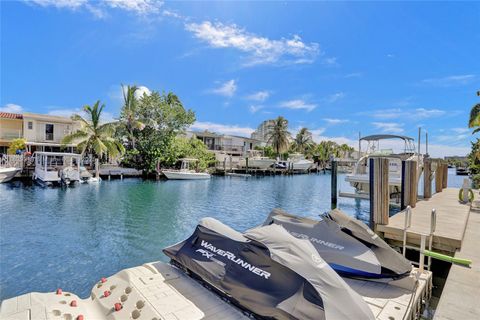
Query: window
{"type": "Point", "coordinates": [49, 132]}
{"type": "Point", "coordinates": [30, 125]}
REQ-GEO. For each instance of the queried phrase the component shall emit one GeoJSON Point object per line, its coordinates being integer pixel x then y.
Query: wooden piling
{"type": "Point", "coordinates": [427, 178]}
{"type": "Point", "coordinates": [334, 193]}
{"type": "Point", "coordinates": [445, 176]}
{"type": "Point", "coordinates": [438, 177]}
{"type": "Point", "coordinates": [97, 168]}
{"type": "Point", "coordinates": [409, 189]}
{"type": "Point", "coordinates": [246, 165]}
{"type": "Point", "coordinates": [379, 191]}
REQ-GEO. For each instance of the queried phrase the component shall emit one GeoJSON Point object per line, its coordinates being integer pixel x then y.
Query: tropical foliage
{"type": "Point", "coordinates": [303, 141]}
{"type": "Point", "coordinates": [278, 135]}
{"type": "Point", "coordinates": [93, 136]}
{"type": "Point", "coordinates": [188, 148]}
{"type": "Point", "coordinates": [16, 144]}
{"type": "Point", "coordinates": [129, 117]}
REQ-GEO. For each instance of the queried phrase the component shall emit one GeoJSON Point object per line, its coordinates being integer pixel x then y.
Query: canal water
{"type": "Point", "coordinates": [69, 238]}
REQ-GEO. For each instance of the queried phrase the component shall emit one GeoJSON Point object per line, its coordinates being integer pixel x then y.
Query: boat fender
{"type": "Point", "coordinates": [59, 291]}
{"type": "Point", "coordinates": [106, 293]}
{"type": "Point", "coordinates": [73, 303]}
{"type": "Point", "coordinates": [118, 306]}
{"type": "Point", "coordinates": [470, 195]}
{"type": "Point", "coordinates": [103, 280]}
{"type": "Point", "coordinates": [80, 317]}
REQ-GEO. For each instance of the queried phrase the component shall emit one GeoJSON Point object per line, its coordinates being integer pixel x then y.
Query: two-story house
{"type": "Point", "coordinates": [42, 132]}
{"type": "Point", "coordinates": [11, 127]}
{"type": "Point", "coordinates": [45, 132]}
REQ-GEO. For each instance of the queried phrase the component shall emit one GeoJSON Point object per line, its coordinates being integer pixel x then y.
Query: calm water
{"type": "Point", "coordinates": [69, 238]}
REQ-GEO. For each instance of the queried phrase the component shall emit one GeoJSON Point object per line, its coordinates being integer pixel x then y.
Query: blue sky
{"type": "Point", "coordinates": [336, 68]}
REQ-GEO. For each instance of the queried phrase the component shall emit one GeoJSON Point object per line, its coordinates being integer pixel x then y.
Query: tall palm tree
{"type": "Point", "coordinates": [129, 115]}
{"type": "Point", "coordinates": [303, 140]}
{"type": "Point", "coordinates": [345, 150]}
{"type": "Point", "coordinates": [94, 136]}
{"type": "Point", "coordinates": [278, 135]}
{"type": "Point", "coordinates": [324, 150]}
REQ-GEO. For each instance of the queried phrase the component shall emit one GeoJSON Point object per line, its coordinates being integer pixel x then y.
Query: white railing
{"type": "Point", "coordinates": [11, 160]}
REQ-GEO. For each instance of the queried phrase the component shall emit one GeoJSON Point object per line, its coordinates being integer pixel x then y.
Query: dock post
{"type": "Point", "coordinates": [334, 194]}
{"type": "Point", "coordinates": [409, 186]}
{"type": "Point", "coordinates": [438, 177]}
{"type": "Point", "coordinates": [225, 166]}
{"type": "Point", "coordinates": [379, 192]}
{"type": "Point", "coordinates": [230, 158]}
{"type": "Point", "coordinates": [97, 171]}
{"type": "Point", "coordinates": [246, 165]}
{"type": "Point", "coordinates": [465, 188]}
{"type": "Point", "coordinates": [445, 176]}
{"type": "Point", "coordinates": [422, 254]}
{"type": "Point", "coordinates": [427, 178]}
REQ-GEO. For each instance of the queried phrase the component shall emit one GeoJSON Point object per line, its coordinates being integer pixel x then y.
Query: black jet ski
{"type": "Point", "coordinates": [346, 244]}
{"type": "Point", "coordinates": [267, 272]}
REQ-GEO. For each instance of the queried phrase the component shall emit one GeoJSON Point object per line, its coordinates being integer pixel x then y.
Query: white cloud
{"type": "Point", "coordinates": [141, 90]}
{"type": "Point", "coordinates": [222, 128]}
{"type": "Point", "coordinates": [332, 61]}
{"type": "Point", "coordinates": [255, 108]}
{"type": "Point", "coordinates": [395, 113]}
{"type": "Point", "coordinates": [259, 50]}
{"type": "Point", "coordinates": [298, 104]}
{"type": "Point", "coordinates": [389, 127]}
{"type": "Point", "coordinates": [12, 108]}
{"type": "Point", "coordinates": [226, 89]}
{"type": "Point", "coordinates": [333, 121]}
{"type": "Point", "coordinates": [461, 130]}
{"type": "Point", "coordinates": [99, 9]}
{"type": "Point", "coordinates": [259, 96]}
{"type": "Point", "coordinates": [450, 80]}
{"type": "Point", "coordinates": [335, 97]}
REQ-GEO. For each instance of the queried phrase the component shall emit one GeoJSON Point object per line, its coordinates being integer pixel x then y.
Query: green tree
{"type": "Point", "coordinates": [303, 141]}
{"type": "Point", "coordinates": [278, 135]}
{"type": "Point", "coordinates": [187, 148]}
{"type": "Point", "coordinates": [345, 150]}
{"type": "Point", "coordinates": [93, 136]}
{"type": "Point", "coordinates": [165, 119]}
{"type": "Point", "coordinates": [129, 116]}
{"type": "Point", "coordinates": [324, 150]}
{"type": "Point", "coordinates": [16, 144]}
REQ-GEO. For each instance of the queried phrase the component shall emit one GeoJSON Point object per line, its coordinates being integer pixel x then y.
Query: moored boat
{"type": "Point", "coordinates": [7, 174]}
{"type": "Point", "coordinates": [185, 173]}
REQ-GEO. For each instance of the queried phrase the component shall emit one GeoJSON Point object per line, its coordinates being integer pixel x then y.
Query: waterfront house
{"type": "Point", "coordinates": [225, 145]}
{"type": "Point", "coordinates": [11, 127]}
{"type": "Point", "coordinates": [42, 132]}
{"type": "Point", "coordinates": [45, 132]}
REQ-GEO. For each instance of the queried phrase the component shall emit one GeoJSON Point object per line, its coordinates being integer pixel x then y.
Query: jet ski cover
{"type": "Point", "coordinates": [346, 244]}
{"type": "Point", "coordinates": [267, 272]}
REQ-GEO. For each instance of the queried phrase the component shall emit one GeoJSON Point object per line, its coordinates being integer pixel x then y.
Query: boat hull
{"type": "Point", "coordinates": [7, 174]}
{"type": "Point", "coordinates": [257, 163]}
{"type": "Point", "coordinates": [302, 165]}
{"type": "Point", "coordinates": [176, 175]}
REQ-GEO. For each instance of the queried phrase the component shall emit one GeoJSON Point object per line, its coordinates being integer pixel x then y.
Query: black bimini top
{"type": "Point", "coordinates": [375, 137]}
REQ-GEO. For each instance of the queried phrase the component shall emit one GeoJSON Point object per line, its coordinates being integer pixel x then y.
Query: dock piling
{"type": "Point", "coordinates": [438, 177]}
{"type": "Point", "coordinates": [379, 192]}
{"type": "Point", "coordinates": [445, 176]}
{"type": "Point", "coordinates": [409, 186]}
{"type": "Point", "coordinates": [427, 178]}
{"type": "Point", "coordinates": [334, 192]}
{"type": "Point", "coordinates": [97, 169]}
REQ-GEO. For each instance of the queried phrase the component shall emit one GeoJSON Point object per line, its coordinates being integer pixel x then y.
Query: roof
{"type": "Point", "coordinates": [385, 136]}
{"type": "Point", "coordinates": [47, 117]}
{"type": "Point", "coordinates": [58, 154]}
{"type": "Point", "coordinates": [9, 115]}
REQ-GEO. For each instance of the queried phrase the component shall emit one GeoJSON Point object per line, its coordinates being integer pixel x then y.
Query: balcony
{"type": "Point", "coordinates": [10, 134]}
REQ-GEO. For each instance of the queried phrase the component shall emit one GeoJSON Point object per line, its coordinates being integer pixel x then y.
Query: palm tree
{"type": "Point", "coordinates": [474, 121]}
{"type": "Point", "coordinates": [303, 140]}
{"type": "Point", "coordinates": [94, 136]}
{"type": "Point", "coordinates": [129, 115]}
{"type": "Point", "coordinates": [345, 150]}
{"type": "Point", "coordinates": [325, 150]}
{"type": "Point", "coordinates": [278, 135]}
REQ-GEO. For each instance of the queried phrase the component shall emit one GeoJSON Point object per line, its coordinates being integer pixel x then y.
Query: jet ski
{"type": "Point", "coordinates": [346, 244]}
{"type": "Point", "coordinates": [267, 272]}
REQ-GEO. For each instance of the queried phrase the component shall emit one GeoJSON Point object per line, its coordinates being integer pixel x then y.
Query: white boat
{"type": "Point", "coordinates": [56, 168]}
{"type": "Point", "coordinates": [299, 162]}
{"type": "Point", "coordinates": [7, 174]}
{"type": "Point", "coordinates": [185, 173]}
{"type": "Point", "coordinates": [360, 178]}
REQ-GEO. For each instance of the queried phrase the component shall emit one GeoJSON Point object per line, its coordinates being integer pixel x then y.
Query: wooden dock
{"type": "Point", "coordinates": [460, 296]}
{"type": "Point", "coordinates": [451, 221]}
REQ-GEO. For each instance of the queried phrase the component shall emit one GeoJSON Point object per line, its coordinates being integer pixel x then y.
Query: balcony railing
{"type": "Point", "coordinates": [10, 135]}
